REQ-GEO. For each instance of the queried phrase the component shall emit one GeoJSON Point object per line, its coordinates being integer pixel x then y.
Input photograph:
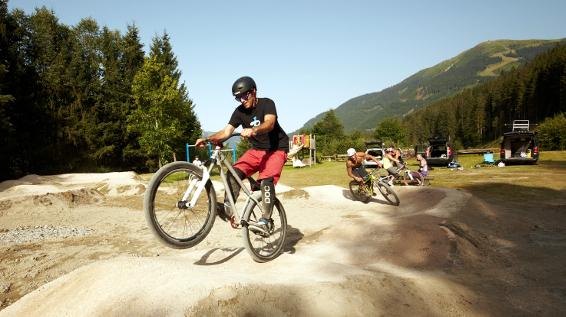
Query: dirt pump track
{"type": "Point", "coordinates": [78, 245]}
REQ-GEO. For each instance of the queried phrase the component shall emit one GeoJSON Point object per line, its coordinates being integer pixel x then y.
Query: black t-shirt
{"type": "Point", "coordinates": [276, 139]}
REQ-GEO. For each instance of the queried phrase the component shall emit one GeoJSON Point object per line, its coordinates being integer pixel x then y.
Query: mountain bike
{"type": "Point", "coordinates": [365, 190]}
{"type": "Point", "coordinates": [180, 207]}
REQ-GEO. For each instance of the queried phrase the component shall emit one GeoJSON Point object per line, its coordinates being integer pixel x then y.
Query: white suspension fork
{"type": "Point", "coordinates": [199, 187]}
{"type": "Point", "coordinates": [192, 184]}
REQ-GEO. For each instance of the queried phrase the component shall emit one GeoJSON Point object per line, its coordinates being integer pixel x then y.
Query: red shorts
{"type": "Point", "coordinates": [268, 163]}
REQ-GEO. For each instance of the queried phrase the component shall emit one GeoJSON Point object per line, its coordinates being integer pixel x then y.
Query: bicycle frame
{"type": "Point", "coordinates": [372, 177]}
{"type": "Point", "coordinates": [219, 159]}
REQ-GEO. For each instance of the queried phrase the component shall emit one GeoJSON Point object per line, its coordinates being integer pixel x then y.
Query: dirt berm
{"type": "Point", "coordinates": [441, 252]}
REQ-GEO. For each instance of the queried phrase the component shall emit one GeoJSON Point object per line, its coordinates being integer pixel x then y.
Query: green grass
{"type": "Point", "coordinates": [546, 180]}
{"type": "Point", "coordinates": [327, 173]}
{"type": "Point", "coordinates": [527, 187]}
{"type": "Point", "coordinates": [549, 173]}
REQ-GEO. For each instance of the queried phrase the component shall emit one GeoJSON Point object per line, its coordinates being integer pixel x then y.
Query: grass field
{"type": "Point", "coordinates": [545, 180]}
{"type": "Point", "coordinates": [545, 173]}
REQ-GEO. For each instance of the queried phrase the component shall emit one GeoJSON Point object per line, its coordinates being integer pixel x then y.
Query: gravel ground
{"type": "Point", "coordinates": [24, 234]}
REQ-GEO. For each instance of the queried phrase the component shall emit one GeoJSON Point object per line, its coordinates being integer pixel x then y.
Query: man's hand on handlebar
{"type": "Point", "coordinates": [216, 139]}
{"type": "Point", "coordinates": [246, 133]}
{"type": "Point", "coordinates": [201, 142]}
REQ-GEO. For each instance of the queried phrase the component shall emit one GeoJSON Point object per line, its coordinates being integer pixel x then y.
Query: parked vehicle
{"type": "Point", "coordinates": [439, 152]}
{"type": "Point", "coordinates": [520, 145]}
{"type": "Point", "coordinates": [420, 149]}
{"type": "Point", "coordinates": [375, 149]}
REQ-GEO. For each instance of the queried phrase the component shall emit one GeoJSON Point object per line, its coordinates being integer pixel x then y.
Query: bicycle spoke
{"type": "Point", "coordinates": [264, 248]}
{"type": "Point", "coordinates": [171, 221]}
{"type": "Point", "coordinates": [179, 227]}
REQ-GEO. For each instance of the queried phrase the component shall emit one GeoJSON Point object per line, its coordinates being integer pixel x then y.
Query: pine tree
{"type": "Point", "coordinates": [105, 142]}
{"type": "Point", "coordinates": [7, 140]}
{"type": "Point", "coordinates": [164, 116]}
{"type": "Point", "coordinates": [5, 96]}
{"type": "Point", "coordinates": [132, 60]}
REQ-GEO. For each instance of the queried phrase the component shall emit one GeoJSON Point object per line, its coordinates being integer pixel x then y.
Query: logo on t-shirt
{"type": "Point", "coordinates": [255, 122]}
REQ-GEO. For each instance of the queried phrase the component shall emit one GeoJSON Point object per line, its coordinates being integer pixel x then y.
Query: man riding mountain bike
{"type": "Point", "coordinates": [354, 166]}
{"type": "Point", "coordinates": [270, 144]}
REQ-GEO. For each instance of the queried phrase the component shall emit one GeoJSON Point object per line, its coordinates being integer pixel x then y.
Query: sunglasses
{"type": "Point", "coordinates": [243, 98]}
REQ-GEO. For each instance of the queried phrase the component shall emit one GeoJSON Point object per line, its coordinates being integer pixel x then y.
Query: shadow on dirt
{"type": "Point", "coordinates": [358, 296]}
{"type": "Point", "coordinates": [507, 245]}
{"type": "Point", "coordinates": [375, 199]}
{"type": "Point", "coordinates": [231, 252]}
{"type": "Point", "coordinates": [294, 235]}
{"type": "Point", "coordinates": [217, 256]}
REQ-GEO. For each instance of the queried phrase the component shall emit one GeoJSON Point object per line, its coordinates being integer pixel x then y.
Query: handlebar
{"type": "Point", "coordinates": [374, 172]}
{"type": "Point", "coordinates": [220, 143]}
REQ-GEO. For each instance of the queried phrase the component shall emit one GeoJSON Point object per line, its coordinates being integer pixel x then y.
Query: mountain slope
{"type": "Point", "coordinates": [476, 65]}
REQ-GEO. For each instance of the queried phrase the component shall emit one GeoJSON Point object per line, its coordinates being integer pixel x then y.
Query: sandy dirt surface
{"type": "Point", "coordinates": [78, 245]}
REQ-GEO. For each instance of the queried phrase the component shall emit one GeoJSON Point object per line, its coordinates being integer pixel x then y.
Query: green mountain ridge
{"type": "Point", "coordinates": [474, 66]}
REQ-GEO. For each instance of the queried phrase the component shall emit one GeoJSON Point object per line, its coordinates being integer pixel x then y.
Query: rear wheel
{"type": "Point", "coordinates": [360, 192]}
{"type": "Point", "coordinates": [168, 217]}
{"type": "Point", "coordinates": [388, 193]}
{"type": "Point", "coordinates": [263, 248]}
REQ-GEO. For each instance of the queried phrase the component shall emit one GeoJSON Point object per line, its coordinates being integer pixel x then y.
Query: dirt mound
{"type": "Point", "coordinates": [58, 200]}
{"type": "Point", "coordinates": [113, 184]}
{"type": "Point", "coordinates": [441, 252]}
{"type": "Point", "coordinates": [360, 258]}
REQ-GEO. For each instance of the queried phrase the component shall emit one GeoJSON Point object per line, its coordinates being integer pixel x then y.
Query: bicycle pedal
{"type": "Point", "coordinates": [233, 222]}
{"type": "Point", "coordinates": [260, 233]}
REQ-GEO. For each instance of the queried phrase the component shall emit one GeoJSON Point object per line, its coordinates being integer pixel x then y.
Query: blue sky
{"type": "Point", "coordinates": [310, 56]}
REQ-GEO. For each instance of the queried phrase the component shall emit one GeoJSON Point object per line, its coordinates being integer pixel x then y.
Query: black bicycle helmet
{"type": "Point", "coordinates": [242, 86]}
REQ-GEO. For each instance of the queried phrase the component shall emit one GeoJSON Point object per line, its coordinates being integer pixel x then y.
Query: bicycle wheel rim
{"type": "Point", "coordinates": [179, 227]}
{"type": "Point", "coordinates": [263, 249]}
{"type": "Point", "coordinates": [388, 193]}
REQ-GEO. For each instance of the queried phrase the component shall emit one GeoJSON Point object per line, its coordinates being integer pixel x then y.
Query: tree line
{"type": "Point", "coordinates": [474, 117]}
{"type": "Point", "coordinates": [87, 98]}
{"type": "Point", "coordinates": [535, 91]}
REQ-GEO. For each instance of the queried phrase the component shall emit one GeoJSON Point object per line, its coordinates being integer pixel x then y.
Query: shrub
{"type": "Point", "coordinates": [552, 133]}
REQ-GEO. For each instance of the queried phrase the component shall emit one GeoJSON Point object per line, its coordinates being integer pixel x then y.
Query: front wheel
{"type": "Point", "coordinates": [265, 248]}
{"type": "Point", "coordinates": [388, 193]}
{"type": "Point", "coordinates": [167, 215]}
{"type": "Point", "coordinates": [360, 192]}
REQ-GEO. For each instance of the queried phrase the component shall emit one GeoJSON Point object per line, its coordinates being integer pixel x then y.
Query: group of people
{"type": "Point", "coordinates": [392, 161]}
